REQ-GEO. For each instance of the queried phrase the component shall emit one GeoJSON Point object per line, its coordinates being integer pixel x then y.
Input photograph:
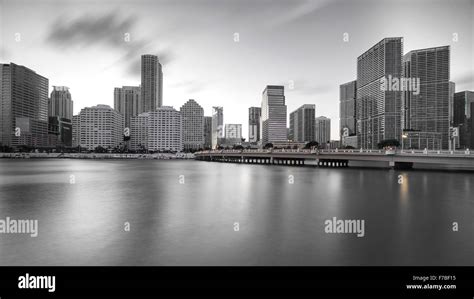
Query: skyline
{"type": "Point", "coordinates": [204, 63]}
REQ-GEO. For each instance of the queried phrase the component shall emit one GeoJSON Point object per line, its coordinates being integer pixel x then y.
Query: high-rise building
{"type": "Point", "coordinates": [217, 126]}
{"type": "Point", "coordinates": [139, 132]}
{"type": "Point", "coordinates": [127, 102]}
{"type": "Point", "coordinates": [273, 120]}
{"type": "Point", "coordinates": [207, 132]}
{"type": "Point", "coordinates": [60, 103]}
{"type": "Point", "coordinates": [193, 125]}
{"type": "Point", "coordinates": [76, 122]}
{"type": "Point", "coordinates": [152, 84]}
{"type": "Point", "coordinates": [100, 126]}
{"type": "Point", "coordinates": [23, 106]}
{"type": "Point", "coordinates": [233, 131]}
{"type": "Point", "coordinates": [254, 124]}
{"type": "Point", "coordinates": [59, 131]}
{"type": "Point", "coordinates": [463, 118]}
{"type": "Point", "coordinates": [302, 123]}
{"type": "Point", "coordinates": [378, 109]}
{"type": "Point", "coordinates": [347, 113]}
{"type": "Point", "coordinates": [157, 131]}
{"type": "Point", "coordinates": [323, 130]}
{"type": "Point", "coordinates": [426, 109]}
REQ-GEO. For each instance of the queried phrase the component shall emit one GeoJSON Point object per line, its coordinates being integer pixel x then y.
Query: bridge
{"type": "Point", "coordinates": [398, 159]}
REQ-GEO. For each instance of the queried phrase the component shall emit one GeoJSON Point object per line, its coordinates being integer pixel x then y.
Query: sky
{"type": "Point", "coordinates": [224, 52]}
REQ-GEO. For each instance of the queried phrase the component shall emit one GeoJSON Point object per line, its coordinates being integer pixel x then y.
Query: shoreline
{"type": "Point", "coordinates": [98, 156]}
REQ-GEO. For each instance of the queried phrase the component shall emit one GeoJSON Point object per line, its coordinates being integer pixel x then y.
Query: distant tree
{"type": "Point", "coordinates": [295, 146]}
{"type": "Point", "coordinates": [100, 149]}
{"type": "Point", "coordinates": [238, 147]}
{"type": "Point", "coordinates": [388, 142]}
{"type": "Point", "coordinates": [268, 145]}
{"type": "Point", "coordinates": [311, 144]}
{"type": "Point", "coordinates": [349, 147]}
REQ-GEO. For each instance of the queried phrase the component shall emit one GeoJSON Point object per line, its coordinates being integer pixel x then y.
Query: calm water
{"type": "Point", "coordinates": [193, 223]}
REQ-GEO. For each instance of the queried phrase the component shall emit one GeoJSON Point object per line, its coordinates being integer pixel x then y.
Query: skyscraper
{"type": "Point", "coordinates": [207, 132]}
{"type": "Point", "coordinates": [426, 110]}
{"type": "Point", "coordinates": [217, 126]}
{"type": "Point", "coordinates": [378, 110]}
{"type": "Point", "coordinates": [273, 120]}
{"type": "Point", "coordinates": [60, 103]}
{"type": "Point", "coordinates": [127, 102]}
{"type": "Point", "coordinates": [323, 130]}
{"type": "Point", "coordinates": [100, 126]}
{"type": "Point", "coordinates": [193, 125]}
{"type": "Point", "coordinates": [463, 117]}
{"type": "Point", "coordinates": [152, 84]}
{"type": "Point", "coordinates": [347, 109]}
{"type": "Point", "coordinates": [23, 106]}
{"type": "Point", "coordinates": [254, 124]}
{"type": "Point", "coordinates": [302, 123]}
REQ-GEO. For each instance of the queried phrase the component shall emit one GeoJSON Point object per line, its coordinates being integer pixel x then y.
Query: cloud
{"type": "Point", "coordinates": [297, 12]}
{"type": "Point", "coordinates": [464, 79]}
{"type": "Point", "coordinates": [111, 31]}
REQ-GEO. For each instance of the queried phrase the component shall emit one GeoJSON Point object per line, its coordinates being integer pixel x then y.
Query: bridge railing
{"type": "Point", "coordinates": [458, 153]}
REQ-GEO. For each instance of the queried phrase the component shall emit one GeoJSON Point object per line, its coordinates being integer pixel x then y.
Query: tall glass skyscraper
{"type": "Point", "coordinates": [152, 83]}
{"type": "Point", "coordinates": [463, 117]}
{"type": "Point", "coordinates": [378, 110]}
{"type": "Point", "coordinates": [428, 110]}
{"type": "Point", "coordinates": [23, 106]}
{"type": "Point", "coordinates": [273, 120]}
{"type": "Point", "coordinates": [302, 123]}
{"type": "Point", "coordinates": [347, 108]}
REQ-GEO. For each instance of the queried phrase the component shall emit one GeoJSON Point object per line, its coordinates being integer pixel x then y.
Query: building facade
{"type": "Point", "coordinates": [273, 119]}
{"type": "Point", "coordinates": [23, 107]}
{"type": "Point", "coordinates": [302, 124]}
{"type": "Point", "coordinates": [347, 113]}
{"type": "Point", "coordinates": [76, 121]}
{"type": "Point", "coordinates": [217, 126]}
{"type": "Point", "coordinates": [427, 110]}
{"type": "Point", "coordinates": [193, 125]}
{"type": "Point", "coordinates": [463, 118]}
{"type": "Point", "coordinates": [323, 130]}
{"type": "Point", "coordinates": [158, 131]}
{"type": "Point", "coordinates": [59, 131]}
{"type": "Point", "coordinates": [127, 102]}
{"type": "Point", "coordinates": [378, 109]}
{"type": "Point", "coordinates": [254, 124]}
{"type": "Point", "coordinates": [100, 126]}
{"type": "Point", "coordinates": [151, 83]}
{"type": "Point", "coordinates": [207, 132]}
{"type": "Point", "coordinates": [60, 103]}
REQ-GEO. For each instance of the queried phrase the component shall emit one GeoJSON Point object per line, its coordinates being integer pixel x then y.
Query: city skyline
{"type": "Point", "coordinates": [313, 80]}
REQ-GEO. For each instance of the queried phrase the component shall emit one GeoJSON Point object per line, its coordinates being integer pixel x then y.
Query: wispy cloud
{"type": "Point", "coordinates": [112, 31]}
